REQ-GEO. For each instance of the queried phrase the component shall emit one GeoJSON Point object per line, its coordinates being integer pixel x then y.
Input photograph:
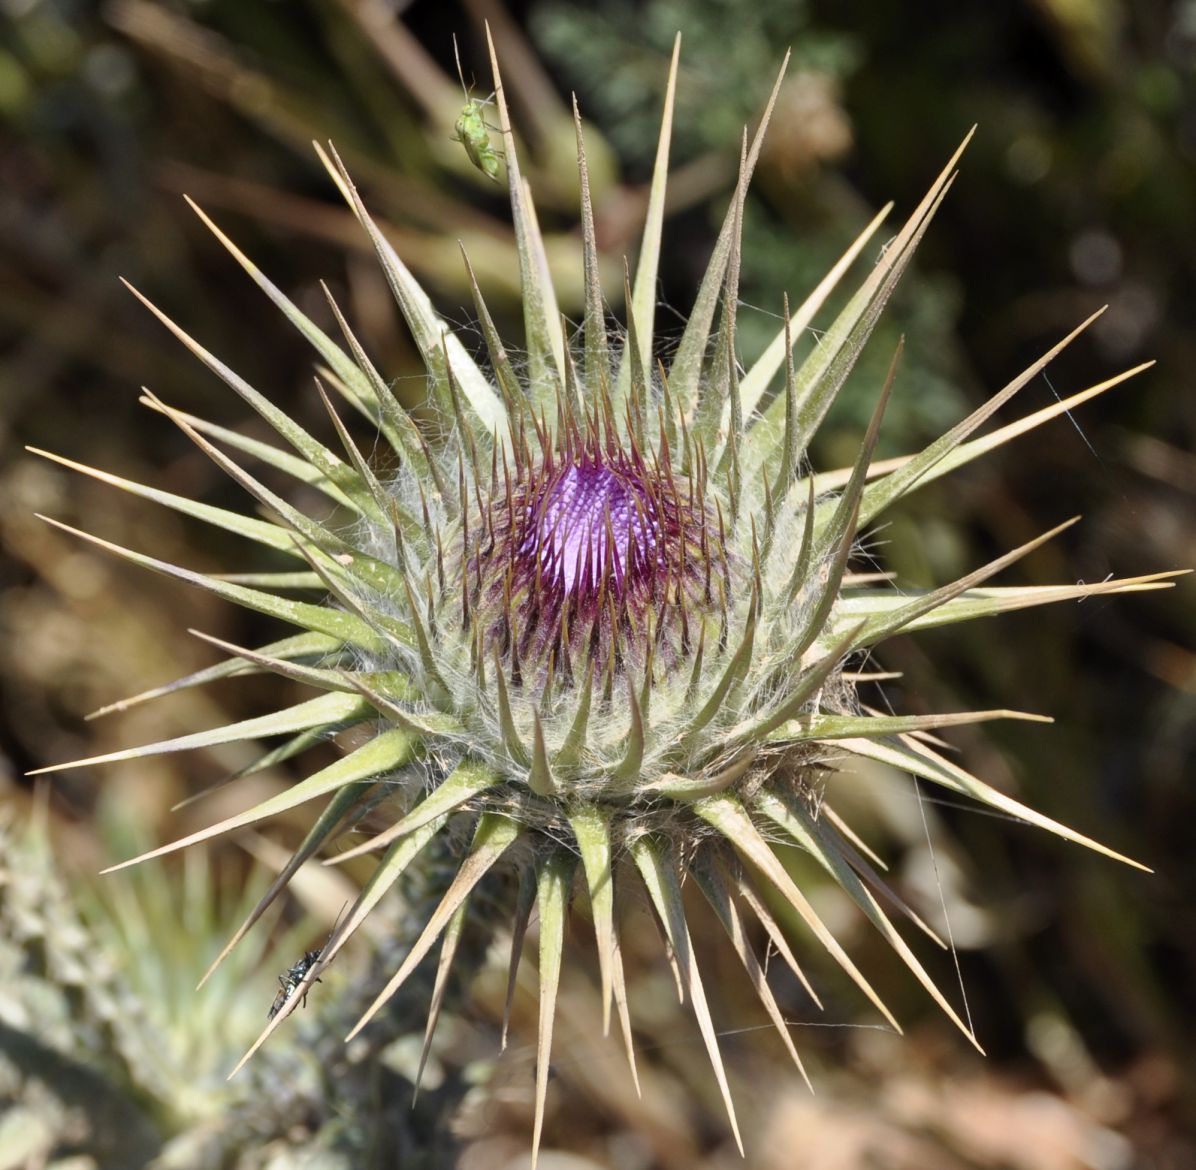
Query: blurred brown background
{"type": "Point", "coordinates": [1078, 190]}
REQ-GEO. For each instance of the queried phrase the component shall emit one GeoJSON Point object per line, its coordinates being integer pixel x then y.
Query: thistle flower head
{"type": "Point", "coordinates": [600, 617]}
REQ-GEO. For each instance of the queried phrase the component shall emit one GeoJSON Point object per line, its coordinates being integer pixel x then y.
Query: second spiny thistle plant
{"type": "Point", "coordinates": [599, 626]}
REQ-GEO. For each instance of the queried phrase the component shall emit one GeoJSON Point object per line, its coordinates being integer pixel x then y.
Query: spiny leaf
{"type": "Point", "coordinates": [345, 368]}
{"type": "Point", "coordinates": [554, 878]}
{"type": "Point", "coordinates": [392, 866]}
{"type": "Point", "coordinates": [297, 646]}
{"type": "Point", "coordinates": [389, 630]}
{"type": "Point", "coordinates": [728, 815]}
{"type": "Point", "coordinates": [295, 580]}
{"type": "Point", "coordinates": [660, 877]}
{"type": "Point", "coordinates": [541, 314]}
{"type": "Point", "coordinates": [632, 359]}
{"type": "Point", "coordinates": [597, 359]}
{"type": "Point", "coordinates": [685, 371]}
{"type": "Point", "coordinates": [525, 899]}
{"type": "Point", "coordinates": [719, 897]}
{"type": "Point", "coordinates": [591, 828]}
{"type": "Point", "coordinates": [396, 424]}
{"type": "Point", "coordinates": [397, 685]}
{"type": "Point", "coordinates": [444, 967]}
{"type": "Point", "coordinates": [911, 755]}
{"type": "Point", "coordinates": [755, 382]}
{"type": "Point", "coordinates": [389, 870]}
{"type": "Point", "coordinates": [897, 483]}
{"type": "Point", "coordinates": [850, 836]}
{"type": "Point", "coordinates": [332, 708]}
{"type": "Point", "coordinates": [266, 453]}
{"type": "Point", "coordinates": [832, 547]}
{"type": "Point", "coordinates": [619, 991]}
{"type": "Point", "coordinates": [493, 837]}
{"type": "Point", "coordinates": [824, 371]}
{"type": "Point", "coordinates": [814, 726]}
{"type": "Point", "coordinates": [806, 688]}
{"type": "Point", "coordinates": [345, 627]}
{"type": "Point", "coordinates": [427, 327]}
{"type": "Point", "coordinates": [260, 531]}
{"type": "Point", "coordinates": [831, 362]}
{"type": "Point", "coordinates": [790, 454]}
{"type": "Point", "coordinates": [845, 520]}
{"type": "Point", "coordinates": [425, 724]}
{"type": "Point", "coordinates": [747, 894]}
{"type": "Point", "coordinates": [978, 603]}
{"type": "Point", "coordinates": [965, 452]}
{"type": "Point", "coordinates": [470, 778]}
{"type": "Point", "coordinates": [290, 748]}
{"type": "Point", "coordinates": [805, 831]}
{"type": "Point", "coordinates": [325, 826]}
{"type": "Point", "coordinates": [313, 451]}
{"type": "Point", "coordinates": [865, 861]}
{"type": "Point", "coordinates": [641, 305]}
{"type": "Point", "coordinates": [384, 753]}
{"type": "Point", "coordinates": [500, 360]}
{"type": "Point", "coordinates": [805, 551]}
{"type": "Point", "coordinates": [369, 569]}
{"type": "Point", "coordinates": [719, 394]}
{"type": "Point", "coordinates": [287, 750]}
{"type": "Point", "coordinates": [878, 628]}
{"type": "Point", "coordinates": [384, 503]}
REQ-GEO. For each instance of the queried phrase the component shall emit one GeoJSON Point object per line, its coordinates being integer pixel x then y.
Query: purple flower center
{"type": "Point", "coordinates": [589, 558]}
{"type": "Point", "coordinates": [592, 524]}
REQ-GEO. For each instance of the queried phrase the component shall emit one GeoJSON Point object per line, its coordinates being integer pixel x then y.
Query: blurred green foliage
{"type": "Point", "coordinates": [613, 54]}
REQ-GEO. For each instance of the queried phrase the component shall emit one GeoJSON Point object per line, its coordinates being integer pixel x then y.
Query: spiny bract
{"type": "Point", "coordinates": [602, 613]}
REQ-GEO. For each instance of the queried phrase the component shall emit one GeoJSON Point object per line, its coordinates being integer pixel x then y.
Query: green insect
{"type": "Point", "coordinates": [473, 132]}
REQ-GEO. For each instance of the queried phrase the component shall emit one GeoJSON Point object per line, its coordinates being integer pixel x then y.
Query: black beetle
{"type": "Point", "coordinates": [288, 984]}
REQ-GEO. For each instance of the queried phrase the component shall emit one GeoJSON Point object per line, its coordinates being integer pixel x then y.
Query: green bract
{"type": "Point", "coordinates": [600, 615]}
